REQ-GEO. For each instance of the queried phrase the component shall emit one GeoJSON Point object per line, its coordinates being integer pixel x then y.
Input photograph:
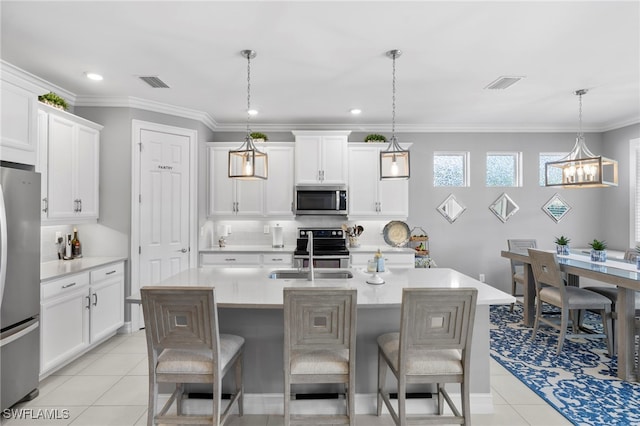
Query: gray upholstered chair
{"type": "Point", "coordinates": [432, 347]}
{"type": "Point", "coordinates": [517, 268]}
{"type": "Point", "coordinates": [319, 347]}
{"type": "Point", "coordinates": [551, 289]}
{"type": "Point", "coordinates": [184, 346]}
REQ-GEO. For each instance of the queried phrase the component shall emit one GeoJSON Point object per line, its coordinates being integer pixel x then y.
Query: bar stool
{"type": "Point", "coordinates": [432, 347]}
{"type": "Point", "coordinates": [319, 346]}
{"type": "Point", "coordinates": [184, 346]}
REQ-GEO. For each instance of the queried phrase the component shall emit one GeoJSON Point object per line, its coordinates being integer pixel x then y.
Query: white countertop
{"type": "Point", "coordinates": [251, 287]}
{"type": "Point", "coordinates": [249, 249]}
{"type": "Point", "coordinates": [59, 268]}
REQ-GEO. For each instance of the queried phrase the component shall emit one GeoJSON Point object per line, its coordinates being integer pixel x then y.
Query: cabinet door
{"type": "Point", "coordinates": [363, 181]}
{"type": "Point", "coordinates": [18, 124]}
{"type": "Point", "coordinates": [107, 307]}
{"type": "Point", "coordinates": [64, 332]}
{"type": "Point", "coordinates": [42, 165]}
{"type": "Point", "coordinates": [279, 187]}
{"type": "Point", "coordinates": [393, 198]}
{"type": "Point", "coordinates": [86, 171]}
{"type": "Point", "coordinates": [60, 151]}
{"type": "Point", "coordinates": [249, 197]}
{"type": "Point", "coordinates": [221, 192]}
{"type": "Point", "coordinates": [308, 157]}
{"type": "Point", "coordinates": [334, 159]}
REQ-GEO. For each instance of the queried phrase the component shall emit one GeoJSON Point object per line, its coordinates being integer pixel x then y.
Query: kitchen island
{"type": "Point", "coordinates": [250, 305]}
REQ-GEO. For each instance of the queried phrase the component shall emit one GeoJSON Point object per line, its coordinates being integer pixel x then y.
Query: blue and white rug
{"type": "Point", "coordinates": [580, 383]}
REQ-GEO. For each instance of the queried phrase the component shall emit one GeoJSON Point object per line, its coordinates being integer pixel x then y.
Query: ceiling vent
{"type": "Point", "coordinates": [154, 82]}
{"type": "Point", "coordinates": [503, 82]}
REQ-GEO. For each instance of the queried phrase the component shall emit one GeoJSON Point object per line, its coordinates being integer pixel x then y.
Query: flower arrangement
{"type": "Point", "coordinates": [373, 137]}
{"type": "Point", "coordinates": [258, 135]}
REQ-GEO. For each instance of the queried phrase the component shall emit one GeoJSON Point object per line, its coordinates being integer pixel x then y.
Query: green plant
{"type": "Point", "coordinates": [258, 135]}
{"type": "Point", "coordinates": [373, 137]}
{"type": "Point", "coordinates": [54, 99]}
{"type": "Point", "coordinates": [562, 240]}
{"type": "Point", "coordinates": [638, 249]}
{"type": "Point", "coordinates": [598, 245]}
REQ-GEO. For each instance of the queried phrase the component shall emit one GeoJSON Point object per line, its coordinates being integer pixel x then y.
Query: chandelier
{"type": "Point", "coordinates": [581, 168]}
{"type": "Point", "coordinates": [247, 162]}
{"type": "Point", "coordinates": [394, 161]}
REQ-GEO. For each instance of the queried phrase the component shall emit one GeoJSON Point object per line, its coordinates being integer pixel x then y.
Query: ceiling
{"type": "Point", "coordinates": [316, 60]}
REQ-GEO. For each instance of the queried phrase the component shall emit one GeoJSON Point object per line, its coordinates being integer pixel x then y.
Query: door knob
{"type": "Point", "coordinates": [184, 250]}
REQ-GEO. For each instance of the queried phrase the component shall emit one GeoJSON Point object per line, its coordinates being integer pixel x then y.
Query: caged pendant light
{"type": "Point", "coordinates": [247, 162]}
{"type": "Point", "coordinates": [581, 168]}
{"type": "Point", "coordinates": [394, 161]}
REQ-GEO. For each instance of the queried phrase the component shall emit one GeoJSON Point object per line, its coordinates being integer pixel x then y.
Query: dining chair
{"type": "Point", "coordinates": [433, 347]}
{"type": "Point", "coordinates": [551, 289]}
{"type": "Point", "coordinates": [184, 346]}
{"type": "Point", "coordinates": [517, 268]}
{"type": "Point", "coordinates": [631, 254]}
{"type": "Point", "coordinates": [319, 347]}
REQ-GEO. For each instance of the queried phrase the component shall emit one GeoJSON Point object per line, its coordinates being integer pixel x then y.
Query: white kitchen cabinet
{"type": "Point", "coordinates": [368, 195]}
{"type": "Point", "coordinates": [231, 197]}
{"type": "Point", "coordinates": [284, 260]}
{"type": "Point", "coordinates": [398, 259]}
{"type": "Point", "coordinates": [64, 320]}
{"type": "Point", "coordinates": [79, 311]}
{"type": "Point", "coordinates": [230, 259]}
{"type": "Point", "coordinates": [321, 157]}
{"type": "Point", "coordinates": [72, 149]}
{"type": "Point", "coordinates": [252, 198]}
{"type": "Point", "coordinates": [18, 126]}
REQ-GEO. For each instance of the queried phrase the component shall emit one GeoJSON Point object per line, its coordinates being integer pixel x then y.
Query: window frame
{"type": "Point", "coordinates": [517, 155]}
{"type": "Point", "coordinates": [466, 156]}
{"type": "Point", "coordinates": [541, 168]}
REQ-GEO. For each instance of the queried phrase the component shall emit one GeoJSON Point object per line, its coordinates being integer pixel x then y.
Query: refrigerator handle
{"type": "Point", "coordinates": [18, 332]}
{"type": "Point", "coordinates": [3, 243]}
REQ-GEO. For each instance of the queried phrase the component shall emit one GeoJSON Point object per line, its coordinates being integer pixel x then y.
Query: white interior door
{"type": "Point", "coordinates": [164, 205]}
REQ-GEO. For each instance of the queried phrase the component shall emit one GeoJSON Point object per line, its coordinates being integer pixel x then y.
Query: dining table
{"type": "Point", "coordinates": [623, 274]}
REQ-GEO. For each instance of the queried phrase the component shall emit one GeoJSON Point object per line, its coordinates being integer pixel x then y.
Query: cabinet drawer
{"type": "Point", "coordinates": [230, 259]}
{"type": "Point", "coordinates": [399, 259]}
{"type": "Point", "coordinates": [277, 259]}
{"type": "Point", "coordinates": [64, 285]}
{"type": "Point", "coordinates": [106, 272]}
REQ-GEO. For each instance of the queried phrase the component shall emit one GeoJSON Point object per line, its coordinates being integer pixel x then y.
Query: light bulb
{"type": "Point", "coordinates": [248, 168]}
{"type": "Point", "coordinates": [394, 168]}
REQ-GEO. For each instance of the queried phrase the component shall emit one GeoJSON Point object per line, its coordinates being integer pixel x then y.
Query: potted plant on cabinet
{"type": "Point", "coordinates": [373, 137]}
{"type": "Point", "coordinates": [259, 137]}
{"type": "Point", "coordinates": [598, 251]}
{"type": "Point", "coordinates": [562, 245]}
{"type": "Point", "coordinates": [53, 100]}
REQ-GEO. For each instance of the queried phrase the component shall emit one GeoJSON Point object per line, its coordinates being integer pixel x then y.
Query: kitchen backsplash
{"type": "Point", "coordinates": [96, 240]}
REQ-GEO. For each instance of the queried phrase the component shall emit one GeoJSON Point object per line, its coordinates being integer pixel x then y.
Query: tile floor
{"type": "Point", "coordinates": [108, 386]}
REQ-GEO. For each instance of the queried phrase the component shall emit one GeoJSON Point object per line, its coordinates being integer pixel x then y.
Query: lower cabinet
{"type": "Point", "coordinates": [238, 259]}
{"type": "Point", "coordinates": [77, 312]}
{"type": "Point", "coordinates": [393, 260]}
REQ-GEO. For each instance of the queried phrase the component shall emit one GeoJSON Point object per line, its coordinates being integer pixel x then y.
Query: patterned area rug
{"type": "Point", "coordinates": [580, 383]}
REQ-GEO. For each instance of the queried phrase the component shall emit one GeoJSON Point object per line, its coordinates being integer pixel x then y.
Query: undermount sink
{"type": "Point", "coordinates": [294, 274]}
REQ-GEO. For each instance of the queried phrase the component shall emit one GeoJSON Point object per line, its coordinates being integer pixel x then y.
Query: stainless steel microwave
{"type": "Point", "coordinates": [321, 200]}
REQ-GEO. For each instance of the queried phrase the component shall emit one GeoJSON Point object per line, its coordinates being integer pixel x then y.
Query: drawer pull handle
{"type": "Point", "coordinates": [111, 272]}
{"type": "Point", "coordinates": [88, 302]}
{"type": "Point", "coordinates": [95, 299]}
{"type": "Point", "coordinates": [277, 259]}
{"type": "Point", "coordinates": [68, 285]}
{"type": "Point", "coordinates": [230, 259]}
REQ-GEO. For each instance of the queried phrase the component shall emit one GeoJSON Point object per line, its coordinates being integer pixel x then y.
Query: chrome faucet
{"type": "Point", "coordinates": [310, 277]}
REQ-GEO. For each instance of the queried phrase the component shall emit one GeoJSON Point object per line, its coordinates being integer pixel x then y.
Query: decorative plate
{"type": "Point", "coordinates": [396, 233]}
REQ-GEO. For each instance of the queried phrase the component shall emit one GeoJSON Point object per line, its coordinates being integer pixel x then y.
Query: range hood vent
{"type": "Point", "coordinates": [503, 82]}
{"type": "Point", "coordinates": [154, 81]}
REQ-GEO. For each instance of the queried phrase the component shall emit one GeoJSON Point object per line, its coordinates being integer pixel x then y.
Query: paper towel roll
{"type": "Point", "coordinates": [278, 241]}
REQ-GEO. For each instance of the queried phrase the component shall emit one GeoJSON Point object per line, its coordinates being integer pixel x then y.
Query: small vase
{"type": "Point", "coordinates": [598, 255]}
{"type": "Point", "coordinates": [562, 249]}
{"type": "Point", "coordinates": [353, 242]}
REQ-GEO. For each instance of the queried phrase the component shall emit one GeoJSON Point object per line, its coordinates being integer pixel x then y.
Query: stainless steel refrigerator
{"type": "Point", "coordinates": [19, 283]}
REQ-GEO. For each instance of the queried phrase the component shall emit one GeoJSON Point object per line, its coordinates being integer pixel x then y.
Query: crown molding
{"type": "Point", "coordinates": [147, 105]}
{"type": "Point", "coordinates": [33, 82]}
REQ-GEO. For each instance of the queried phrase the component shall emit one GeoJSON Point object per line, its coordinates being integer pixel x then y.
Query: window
{"type": "Point", "coordinates": [504, 169]}
{"type": "Point", "coordinates": [451, 169]}
{"type": "Point", "coordinates": [555, 175]}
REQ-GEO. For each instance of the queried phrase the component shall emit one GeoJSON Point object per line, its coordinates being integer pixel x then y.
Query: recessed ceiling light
{"type": "Point", "coordinates": [355, 111]}
{"type": "Point", "coordinates": [93, 76]}
{"type": "Point", "coordinates": [252, 112]}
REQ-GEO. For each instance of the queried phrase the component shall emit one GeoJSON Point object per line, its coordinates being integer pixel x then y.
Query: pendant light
{"type": "Point", "coordinates": [394, 161]}
{"type": "Point", "coordinates": [581, 168]}
{"type": "Point", "coordinates": [247, 162]}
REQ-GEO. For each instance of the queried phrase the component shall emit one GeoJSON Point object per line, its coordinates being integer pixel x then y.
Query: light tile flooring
{"type": "Point", "coordinates": [108, 386]}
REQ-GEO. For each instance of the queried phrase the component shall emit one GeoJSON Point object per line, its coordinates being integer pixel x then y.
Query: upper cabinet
{"type": "Point", "coordinates": [368, 195]}
{"type": "Point", "coordinates": [321, 157]}
{"type": "Point", "coordinates": [18, 140]}
{"type": "Point", "coordinates": [251, 198]}
{"type": "Point", "coordinates": [71, 146]}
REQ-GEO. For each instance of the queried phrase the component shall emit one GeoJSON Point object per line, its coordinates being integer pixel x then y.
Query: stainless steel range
{"type": "Point", "coordinates": [329, 248]}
